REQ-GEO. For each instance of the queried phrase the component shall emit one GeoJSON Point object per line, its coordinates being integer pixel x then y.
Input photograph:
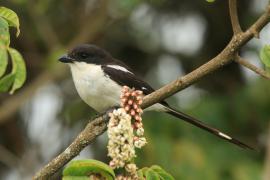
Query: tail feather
{"type": "Point", "coordinates": [201, 125]}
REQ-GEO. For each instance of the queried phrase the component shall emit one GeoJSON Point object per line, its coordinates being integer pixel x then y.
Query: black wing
{"type": "Point", "coordinates": [127, 78]}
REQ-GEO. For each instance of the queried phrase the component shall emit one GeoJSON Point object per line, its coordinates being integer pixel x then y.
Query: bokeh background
{"type": "Point", "coordinates": [160, 40]}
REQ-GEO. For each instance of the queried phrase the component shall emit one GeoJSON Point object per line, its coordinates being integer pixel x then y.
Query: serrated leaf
{"type": "Point", "coordinates": [4, 32]}
{"type": "Point", "coordinates": [151, 175]}
{"type": "Point", "coordinates": [87, 167]}
{"type": "Point", "coordinates": [3, 59]}
{"type": "Point", "coordinates": [162, 173]}
{"type": "Point", "coordinates": [18, 68]}
{"type": "Point", "coordinates": [265, 55]}
{"type": "Point", "coordinates": [6, 82]}
{"type": "Point", "coordinates": [11, 18]}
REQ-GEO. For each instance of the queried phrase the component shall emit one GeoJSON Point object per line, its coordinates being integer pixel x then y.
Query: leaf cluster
{"type": "Point", "coordinates": [16, 78]}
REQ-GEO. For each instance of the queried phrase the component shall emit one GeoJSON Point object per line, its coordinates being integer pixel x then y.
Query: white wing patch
{"type": "Point", "coordinates": [144, 88]}
{"type": "Point", "coordinates": [121, 68]}
{"type": "Point", "coordinates": [224, 135]}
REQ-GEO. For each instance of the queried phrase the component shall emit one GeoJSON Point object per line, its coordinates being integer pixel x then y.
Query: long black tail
{"type": "Point", "coordinates": [201, 125]}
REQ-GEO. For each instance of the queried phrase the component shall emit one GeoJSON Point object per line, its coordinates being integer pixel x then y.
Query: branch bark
{"type": "Point", "coordinates": [253, 68]}
{"type": "Point", "coordinates": [98, 125]}
{"type": "Point", "coordinates": [91, 131]}
{"type": "Point", "coordinates": [234, 17]}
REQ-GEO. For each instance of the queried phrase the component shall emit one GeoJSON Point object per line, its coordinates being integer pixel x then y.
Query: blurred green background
{"type": "Point", "coordinates": [160, 40]}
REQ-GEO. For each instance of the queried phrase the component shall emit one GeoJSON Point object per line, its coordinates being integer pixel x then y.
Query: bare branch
{"type": "Point", "coordinates": [253, 68]}
{"type": "Point", "coordinates": [99, 124]}
{"type": "Point", "coordinates": [234, 17]}
{"type": "Point", "coordinates": [223, 58]}
{"type": "Point", "coordinates": [91, 131]}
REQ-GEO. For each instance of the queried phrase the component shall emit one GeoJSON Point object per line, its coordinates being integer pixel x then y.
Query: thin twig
{"type": "Point", "coordinates": [225, 57]}
{"type": "Point", "coordinates": [234, 16]}
{"type": "Point", "coordinates": [250, 66]}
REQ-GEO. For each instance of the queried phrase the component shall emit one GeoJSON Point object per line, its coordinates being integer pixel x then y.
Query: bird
{"type": "Point", "coordinates": [99, 79]}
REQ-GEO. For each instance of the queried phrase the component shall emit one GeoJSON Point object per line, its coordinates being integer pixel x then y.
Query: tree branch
{"type": "Point", "coordinates": [223, 58]}
{"type": "Point", "coordinates": [91, 131]}
{"type": "Point", "coordinates": [250, 66]}
{"type": "Point", "coordinates": [234, 17]}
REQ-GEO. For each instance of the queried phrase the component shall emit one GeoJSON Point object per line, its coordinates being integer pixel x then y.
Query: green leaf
{"type": "Point", "coordinates": [4, 32]}
{"type": "Point", "coordinates": [18, 68]}
{"type": "Point", "coordinates": [265, 55]}
{"type": "Point", "coordinates": [76, 178]}
{"type": "Point", "coordinates": [86, 167]}
{"type": "Point", "coordinates": [6, 82]}
{"type": "Point", "coordinates": [162, 173]}
{"type": "Point", "coordinates": [140, 174]}
{"type": "Point", "coordinates": [11, 18]}
{"type": "Point", "coordinates": [210, 1]}
{"type": "Point", "coordinates": [151, 175]}
{"type": "Point", "coordinates": [3, 59]}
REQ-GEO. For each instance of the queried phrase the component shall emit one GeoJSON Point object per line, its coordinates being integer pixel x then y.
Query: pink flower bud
{"type": "Point", "coordinates": [139, 110]}
{"type": "Point", "coordinates": [130, 102]}
{"type": "Point", "coordinates": [135, 106]}
{"type": "Point", "coordinates": [127, 94]}
{"type": "Point", "coordinates": [137, 124]}
{"type": "Point", "coordinates": [138, 118]}
{"type": "Point", "coordinates": [140, 102]}
{"type": "Point", "coordinates": [133, 93]}
{"type": "Point", "coordinates": [112, 164]}
{"type": "Point", "coordinates": [132, 112]}
{"type": "Point", "coordinates": [127, 108]}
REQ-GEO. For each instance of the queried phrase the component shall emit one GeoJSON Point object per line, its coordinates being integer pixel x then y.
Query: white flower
{"type": "Point", "coordinates": [140, 131]}
{"type": "Point", "coordinates": [140, 142]}
{"type": "Point", "coordinates": [131, 168]}
{"type": "Point", "coordinates": [120, 133]}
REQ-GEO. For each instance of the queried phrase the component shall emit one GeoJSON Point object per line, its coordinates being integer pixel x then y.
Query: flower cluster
{"type": "Point", "coordinates": [125, 131]}
{"type": "Point", "coordinates": [120, 133]}
{"type": "Point", "coordinates": [131, 100]}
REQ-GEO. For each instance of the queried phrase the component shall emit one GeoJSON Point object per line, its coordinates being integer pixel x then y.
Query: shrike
{"type": "Point", "coordinates": [99, 78]}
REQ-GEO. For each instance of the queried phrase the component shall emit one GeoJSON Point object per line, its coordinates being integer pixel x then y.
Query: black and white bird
{"type": "Point", "coordinates": [99, 78]}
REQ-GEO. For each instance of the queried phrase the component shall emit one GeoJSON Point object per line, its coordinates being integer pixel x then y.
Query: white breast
{"type": "Point", "coordinates": [96, 89]}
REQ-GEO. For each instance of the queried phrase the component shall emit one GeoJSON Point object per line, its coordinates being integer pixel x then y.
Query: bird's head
{"type": "Point", "coordinates": [86, 53]}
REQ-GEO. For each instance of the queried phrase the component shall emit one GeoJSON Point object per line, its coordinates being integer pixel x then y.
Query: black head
{"type": "Point", "coordinates": [90, 54]}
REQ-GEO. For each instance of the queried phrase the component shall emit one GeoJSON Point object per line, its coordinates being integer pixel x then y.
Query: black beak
{"type": "Point", "coordinates": [65, 59]}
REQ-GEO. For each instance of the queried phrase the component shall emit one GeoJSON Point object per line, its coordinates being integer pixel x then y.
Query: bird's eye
{"type": "Point", "coordinates": [83, 55]}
